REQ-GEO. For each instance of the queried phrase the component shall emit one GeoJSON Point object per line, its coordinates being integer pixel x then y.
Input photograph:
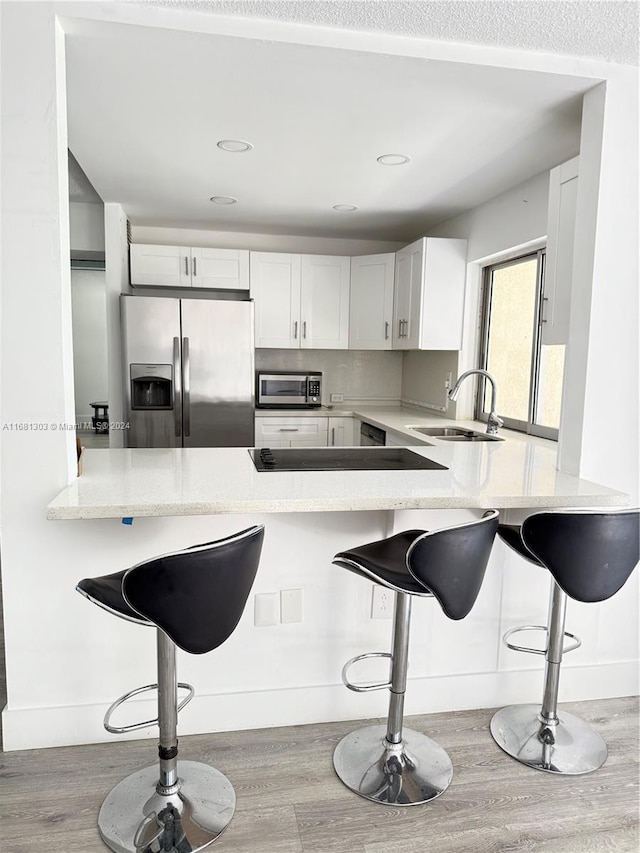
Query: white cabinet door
{"type": "Point", "coordinates": [324, 303]}
{"type": "Point", "coordinates": [442, 308]}
{"type": "Point", "coordinates": [220, 269]}
{"type": "Point", "coordinates": [396, 439]}
{"type": "Point", "coordinates": [291, 431]}
{"type": "Point", "coordinates": [341, 432]}
{"type": "Point", "coordinates": [408, 295]}
{"type": "Point", "coordinates": [371, 305]}
{"type": "Point", "coordinates": [162, 266]}
{"type": "Point", "coordinates": [275, 288]}
{"type": "Point", "coordinates": [561, 223]}
{"type": "Point", "coordinates": [429, 294]}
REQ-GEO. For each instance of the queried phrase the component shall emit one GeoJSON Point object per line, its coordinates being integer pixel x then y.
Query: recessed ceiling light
{"type": "Point", "coordinates": [234, 145]}
{"type": "Point", "coordinates": [393, 159]}
{"type": "Point", "coordinates": [223, 199]}
{"type": "Point", "coordinates": [346, 207]}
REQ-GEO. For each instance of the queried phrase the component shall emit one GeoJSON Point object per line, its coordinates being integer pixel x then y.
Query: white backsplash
{"type": "Point", "coordinates": [362, 376]}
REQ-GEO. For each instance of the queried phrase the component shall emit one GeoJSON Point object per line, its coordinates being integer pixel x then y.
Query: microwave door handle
{"type": "Point", "coordinates": [177, 388]}
{"type": "Point", "coordinates": [186, 394]}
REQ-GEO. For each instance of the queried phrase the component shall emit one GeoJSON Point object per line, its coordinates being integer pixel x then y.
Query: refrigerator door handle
{"type": "Point", "coordinates": [185, 387]}
{"type": "Point", "coordinates": [177, 388]}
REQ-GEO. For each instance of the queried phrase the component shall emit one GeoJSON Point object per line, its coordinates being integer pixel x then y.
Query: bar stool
{"type": "Point", "coordinates": [590, 555]}
{"type": "Point", "coordinates": [195, 599]}
{"type": "Point", "coordinates": [389, 764]}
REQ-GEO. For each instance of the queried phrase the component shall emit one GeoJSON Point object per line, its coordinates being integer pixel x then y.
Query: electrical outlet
{"type": "Point", "coordinates": [337, 398]}
{"type": "Point", "coordinates": [447, 381]}
{"type": "Point", "coordinates": [381, 603]}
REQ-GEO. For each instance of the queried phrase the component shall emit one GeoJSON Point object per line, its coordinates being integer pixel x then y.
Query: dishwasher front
{"type": "Point", "coordinates": [372, 436]}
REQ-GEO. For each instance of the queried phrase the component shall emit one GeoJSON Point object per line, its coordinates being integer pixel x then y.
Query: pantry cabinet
{"type": "Point", "coordinates": [371, 305]}
{"type": "Point", "coordinates": [301, 301]}
{"type": "Point", "coordinates": [429, 294]}
{"type": "Point", "coordinates": [184, 266]}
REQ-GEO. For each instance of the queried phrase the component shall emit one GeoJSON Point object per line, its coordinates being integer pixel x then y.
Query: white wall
{"type": "Point", "coordinates": [89, 310]}
{"type": "Point", "coordinates": [66, 660]}
{"type": "Point", "coordinates": [86, 224]}
{"type": "Point", "coordinates": [362, 376]}
{"type": "Point", "coordinates": [514, 220]}
{"type": "Point", "coordinates": [259, 242]}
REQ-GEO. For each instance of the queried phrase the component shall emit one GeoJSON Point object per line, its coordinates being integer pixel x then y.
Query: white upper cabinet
{"type": "Point", "coordinates": [275, 289]}
{"type": "Point", "coordinates": [324, 302]}
{"type": "Point", "coordinates": [184, 266]}
{"type": "Point", "coordinates": [429, 294]}
{"type": "Point", "coordinates": [371, 311]}
{"type": "Point", "coordinates": [302, 301]}
{"type": "Point", "coordinates": [162, 266]}
{"type": "Point", "coordinates": [561, 222]}
{"type": "Point", "coordinates": [220, 269]}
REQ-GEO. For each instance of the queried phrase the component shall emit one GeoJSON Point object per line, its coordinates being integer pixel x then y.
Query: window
{"type": "Point", "coordinates": [527, 371]}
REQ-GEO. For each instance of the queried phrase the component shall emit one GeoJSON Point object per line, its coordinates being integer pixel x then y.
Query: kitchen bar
{"type": "Point", "coordinates": [208, 481]}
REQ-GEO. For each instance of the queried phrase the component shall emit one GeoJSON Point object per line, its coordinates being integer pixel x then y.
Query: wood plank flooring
{"type": "Point", "coordinates": [290, 801]}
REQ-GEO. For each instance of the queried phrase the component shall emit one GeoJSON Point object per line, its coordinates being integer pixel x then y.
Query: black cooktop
{"type": "Point", "coordinates": [341, 459]}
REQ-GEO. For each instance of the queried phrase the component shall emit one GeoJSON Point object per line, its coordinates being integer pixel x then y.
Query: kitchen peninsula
{"type": "Point", "coordinates": [518, 472]}
{"type": "Point", "coordinates": [287, 672]}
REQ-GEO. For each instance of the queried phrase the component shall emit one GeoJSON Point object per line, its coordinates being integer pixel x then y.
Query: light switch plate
{"type": "Point", "coordinates": [290, 606]}
{"type": "Point", "coordinates": [266, 609]}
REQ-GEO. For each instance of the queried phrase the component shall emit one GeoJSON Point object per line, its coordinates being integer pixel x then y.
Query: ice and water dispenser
{"type": "Point", "coordinates": [151, 386]}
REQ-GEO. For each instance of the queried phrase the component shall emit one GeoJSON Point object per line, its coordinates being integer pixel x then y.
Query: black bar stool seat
{"type": "Point", "coordinates": [195, 599]}
{"type": "Point", "coordinates": [590, 556]}
{"type": "Point", "coordinates": [390, 764]}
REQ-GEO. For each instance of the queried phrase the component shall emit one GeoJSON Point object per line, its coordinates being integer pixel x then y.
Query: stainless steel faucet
{"type": "Point", "coordinates": [493, 421]}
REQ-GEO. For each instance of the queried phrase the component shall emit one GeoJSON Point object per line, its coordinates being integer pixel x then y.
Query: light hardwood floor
{"type": "Point", "coordinates": [290, 801]}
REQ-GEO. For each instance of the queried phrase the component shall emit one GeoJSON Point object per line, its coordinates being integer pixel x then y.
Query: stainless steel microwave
{"type": "Point", "coordinates": [288, 390]}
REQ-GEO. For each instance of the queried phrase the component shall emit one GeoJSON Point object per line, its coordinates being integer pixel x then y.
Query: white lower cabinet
{"type": "Point", "coordinates": [396, 439]}
{"type": "Point", "coordinates": [341, 432]}
{"type": "Point", "coordinates": [291, 431]}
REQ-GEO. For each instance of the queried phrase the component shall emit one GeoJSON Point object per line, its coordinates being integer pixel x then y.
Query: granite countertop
{"type": "Point", "coordinates": [519, 472]}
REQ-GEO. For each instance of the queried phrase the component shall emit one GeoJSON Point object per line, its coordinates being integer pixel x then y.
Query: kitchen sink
{"type": "Point", "coordinates": [454, 433]}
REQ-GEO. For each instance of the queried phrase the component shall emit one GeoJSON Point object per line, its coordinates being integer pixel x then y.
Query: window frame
{"type": "Point", "coordinates": [528, 427]}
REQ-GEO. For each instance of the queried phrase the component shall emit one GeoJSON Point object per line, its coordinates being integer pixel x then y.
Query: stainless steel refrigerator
{"type": "Point", "coordinates": [189, 372]}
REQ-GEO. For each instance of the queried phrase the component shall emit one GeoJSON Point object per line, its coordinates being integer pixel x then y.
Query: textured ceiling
{"type": "Point", "coordinates": [601, 29]}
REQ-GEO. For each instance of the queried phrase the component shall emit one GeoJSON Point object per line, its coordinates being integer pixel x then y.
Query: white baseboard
{"type": "Point", "coordinates": [34, 728]}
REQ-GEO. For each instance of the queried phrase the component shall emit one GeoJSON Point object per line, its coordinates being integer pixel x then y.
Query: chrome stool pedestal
{"type": "Point", "coordinates": [541, 736]}
{"type": "Point", "coordinates": [589, 555]}
{"type": "Point", "coordinates": [169, 806]}
{"type": "Point", "coordinates": [389, 764]}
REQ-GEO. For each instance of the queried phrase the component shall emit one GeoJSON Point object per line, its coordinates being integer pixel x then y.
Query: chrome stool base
{"type": "Point", "coordinates": [135, 818]}
{"type": "Point", "coordinates": [572, 747]}
{"type": "Point", "coordinates": [407, 774]}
